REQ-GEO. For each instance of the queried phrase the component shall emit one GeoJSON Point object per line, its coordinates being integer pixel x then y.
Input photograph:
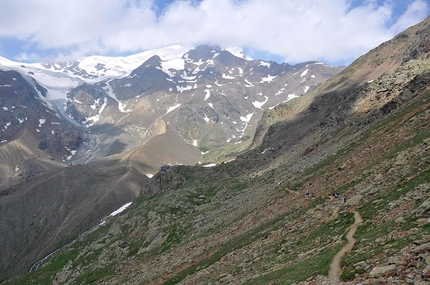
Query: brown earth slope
{"type": "Point", "coordinates": [39, 214]}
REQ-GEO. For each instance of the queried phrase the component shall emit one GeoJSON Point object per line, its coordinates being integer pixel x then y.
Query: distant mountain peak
{"type": "Point", "coordinates": [202, 53]}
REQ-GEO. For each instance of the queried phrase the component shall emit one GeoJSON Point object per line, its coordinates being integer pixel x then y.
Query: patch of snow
{"type": "Point", "coordinates": [289, 97]}
{"type": "Point", "coordinates": [313, 76]}
{"type": "Point", "coordinates": [230, 139]}
{"type": "Point", "coordinates": [211, 105]}
{"type": "Point", "coordinates": [94, 119]}
{"type": "Point", "coordinates": [304, 73]}
{"type": "Point", "coordinates": [114, 213]}
{"type": "Point", "coordinates": [208, 94]}
{"type": "Point", "coordinates": [173, 108]}
{"type": "Point", "coordinates": [249, 83]}
{"type": "Point", "coordinates": [96, 103]}
{"type": "Point", "coordinates": [306, 88]}
{"type": "Point", "coordinates": [268, 79]}
{"type": "Point", "coordinates": [196, 70]}
{"type": "Point", "coordinates": [41, 122]}
{"type": "Point", "coordinates": [264, 63]}
{"type": "Point", "coordinates": [195, 143]}
{"type": "Point", "coordinates": [206, 119]}
{"type": "Point", "coordinates": [149, 175]}
{"type": "Point", "coordinates": [187, 77]}
{"type": "Point", "coordinates": [6, 126]}
{"type": "Point", "coordinates": [238, 52]}
{"type": "Point", "coordinates": [16, 168]}
{"type": "Point", "coordinates": [240, 71]}
{"type": "Point", "coordinates": [182, 89]}
{"type": "Point", "coordinates": [280, 92]}
{"type": "Point", "coordinates": [5, 108]}
{"type": "Point", "coordinates": [258, 104]}
{"type": "Point", "coordinates": [228, 76]}
{"type": "Point", "coordinates": [172, 63]}
{"type": "Point", "coordinates": [210, 165]}
{"type": "Point", "coordinates": [247, 118]}
{"type": "Point", "coordinates": [109, 90]}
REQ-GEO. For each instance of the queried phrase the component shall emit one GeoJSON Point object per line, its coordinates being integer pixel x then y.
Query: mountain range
{"type": "Point", "coordinates": [206, 101]}
{"type": "Point", "coordinates": [169, 106]}
{"type": "Point", "coordinates": [267, 213]}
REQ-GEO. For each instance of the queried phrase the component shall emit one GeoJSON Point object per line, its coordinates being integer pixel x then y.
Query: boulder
{"type": "Point", "coordinates": [381, 270]}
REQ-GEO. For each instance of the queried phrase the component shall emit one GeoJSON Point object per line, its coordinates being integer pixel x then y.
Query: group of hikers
{"type": "Point", "coordinates": [335, 195]}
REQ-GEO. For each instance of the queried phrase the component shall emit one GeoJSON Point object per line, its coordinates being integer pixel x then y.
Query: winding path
{"type": "Point", "coordinates": [335, 268]}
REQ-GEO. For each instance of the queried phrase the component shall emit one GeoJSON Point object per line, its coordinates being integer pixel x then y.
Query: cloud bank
{"type": "Point", "coordinates": [335, 31]}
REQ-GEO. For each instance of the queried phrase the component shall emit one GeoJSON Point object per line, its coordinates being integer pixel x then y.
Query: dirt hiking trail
{"type": "Point", "coordinates": [335, 268]}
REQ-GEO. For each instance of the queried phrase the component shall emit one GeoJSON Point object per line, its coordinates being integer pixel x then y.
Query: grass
{"type": "Point", "coordinates": [44, 274]}
{"type": "Point", "coordinates": [317, 265]}
{"type": "Point", "coordinates": [91, 277]}
{"type": "Point", "coordinates": [235, 243]}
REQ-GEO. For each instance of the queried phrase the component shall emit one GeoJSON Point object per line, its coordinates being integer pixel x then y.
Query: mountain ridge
{"type": "Point", "coordinates": [106, 107]}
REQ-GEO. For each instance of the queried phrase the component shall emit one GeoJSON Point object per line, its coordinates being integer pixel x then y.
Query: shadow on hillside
{"type": "Point", "coordinates": [116, 147]}
{"type": "Point", "coordinates": [106, 128]}
{"type": "Point", "coordinates": [326, 112]}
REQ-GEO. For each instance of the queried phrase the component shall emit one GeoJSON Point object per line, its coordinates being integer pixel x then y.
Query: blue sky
{"type": "Point", "coordinates": [333, 31]}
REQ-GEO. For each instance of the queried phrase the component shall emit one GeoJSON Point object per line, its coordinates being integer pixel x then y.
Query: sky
{"type": "Point", "coordinates": [333, 31]}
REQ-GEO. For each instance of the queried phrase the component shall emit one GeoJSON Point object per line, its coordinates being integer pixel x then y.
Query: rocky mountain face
{"type": "Point", "coordinates": [209, 98]}
{"type": "Point", "coordinates": [25, 111]}
{"type": "Point", "coordinates": [270, 216]}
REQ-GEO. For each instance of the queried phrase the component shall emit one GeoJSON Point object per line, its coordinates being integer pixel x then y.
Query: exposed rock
{"type": "Point", "coordinates": [382, 270]}
{"type": "Point", "coordinates": [354, 200]}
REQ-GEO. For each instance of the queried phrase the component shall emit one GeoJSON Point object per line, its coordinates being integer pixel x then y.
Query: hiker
{"type": "Point", "coordinates": [345, 198]}
{"type": "Point", "coordinates": [336, 195]}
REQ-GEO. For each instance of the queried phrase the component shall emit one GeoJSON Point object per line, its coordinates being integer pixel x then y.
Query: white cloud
{"type": "Point", "coordinates": [417, 10]}
{"type": "Point", "coordinates": [296, 30]}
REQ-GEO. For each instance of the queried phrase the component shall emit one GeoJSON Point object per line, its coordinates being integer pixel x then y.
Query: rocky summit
{"type": "Point", "coordinates": [335, 188]}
